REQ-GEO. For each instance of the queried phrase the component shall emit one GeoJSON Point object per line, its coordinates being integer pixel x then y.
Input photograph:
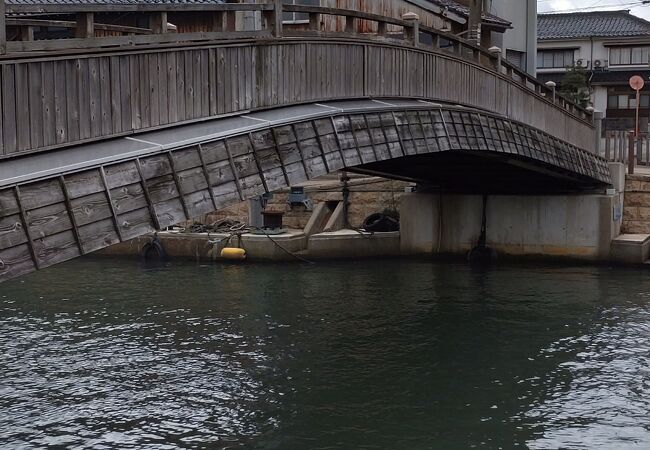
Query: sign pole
{"type": "Point", "coordinates": [636, 83]}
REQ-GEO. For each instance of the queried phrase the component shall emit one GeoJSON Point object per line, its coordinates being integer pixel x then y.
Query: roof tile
{"type": "Point", "coordinates": [590, 24]}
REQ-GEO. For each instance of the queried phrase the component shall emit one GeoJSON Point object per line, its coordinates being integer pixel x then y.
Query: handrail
{"type": "Point", "coordinates": [223, 28]}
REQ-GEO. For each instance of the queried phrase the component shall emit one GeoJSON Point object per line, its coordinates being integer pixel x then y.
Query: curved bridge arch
{"type": "Point", "coordinates": [59, 205]}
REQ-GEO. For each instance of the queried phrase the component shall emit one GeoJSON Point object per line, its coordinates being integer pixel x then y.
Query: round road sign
{"type": "Point", "coordinates": [636, 83]}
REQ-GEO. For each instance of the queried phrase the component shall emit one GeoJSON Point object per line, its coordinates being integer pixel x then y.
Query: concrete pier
{"type": "Point", "coordinates": [573, 226]}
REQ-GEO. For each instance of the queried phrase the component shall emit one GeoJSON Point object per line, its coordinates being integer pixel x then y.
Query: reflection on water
{"type": "Point", "coordinates": [387, 354]}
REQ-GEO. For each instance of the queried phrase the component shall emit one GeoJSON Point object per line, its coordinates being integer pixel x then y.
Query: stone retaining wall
{"type": "Point", "coordinates": [367, 196]}
{"type": "Point", "coordinates": [636, 211]}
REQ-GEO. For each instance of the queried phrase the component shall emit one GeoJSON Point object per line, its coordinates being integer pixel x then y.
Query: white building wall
{"type": "Point", "coordinates": [586, 50]}
{"type": "Point", "coordinates": [523, 35]}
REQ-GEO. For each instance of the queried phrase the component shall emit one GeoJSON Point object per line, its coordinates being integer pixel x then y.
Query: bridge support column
{"type": "Point", "coordinates": [559, 226]}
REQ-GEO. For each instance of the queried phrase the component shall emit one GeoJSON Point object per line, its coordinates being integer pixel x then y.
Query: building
{"type": "Point", "coordinates": [611, 46]}
{"type": "Point", "coordinates": [519, 44]}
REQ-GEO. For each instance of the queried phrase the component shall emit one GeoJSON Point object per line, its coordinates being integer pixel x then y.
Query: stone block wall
{"type": "Point", "coordinates": [636, 212]}
{"type": "Point", "coordinates": [368, 195]}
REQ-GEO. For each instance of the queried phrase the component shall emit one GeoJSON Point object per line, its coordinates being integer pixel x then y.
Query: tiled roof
{"type": "Point", "coordinates": [463, 10]}
{"type": "Point", "coordinates": [590, 24]}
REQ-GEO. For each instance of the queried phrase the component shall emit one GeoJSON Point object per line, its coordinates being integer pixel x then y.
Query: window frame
{"type": "Point", "coordinates": [629, 56]}
{"type": "Point", "coordinates": [556, 58]}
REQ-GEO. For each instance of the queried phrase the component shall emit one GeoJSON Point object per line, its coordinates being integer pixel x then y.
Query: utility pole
{"type": "Point", "coordinates": [475, 18]}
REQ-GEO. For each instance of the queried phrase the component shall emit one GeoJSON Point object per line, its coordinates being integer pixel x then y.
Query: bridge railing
{"type": "Point", "coordinates": [222, 26]}
{"type": "Point", "coordinates": [115, 80]}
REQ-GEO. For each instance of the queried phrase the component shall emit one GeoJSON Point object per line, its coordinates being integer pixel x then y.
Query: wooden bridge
{"type": "Point", "coordinates": [107, 138]}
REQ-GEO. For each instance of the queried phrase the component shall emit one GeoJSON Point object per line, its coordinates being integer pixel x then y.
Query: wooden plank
{"type": "Point", "coordinates": [179, 187]}
{"type": "Point", "coordinates": [180, 87]}
{"type": "Point", "coordinates": [55, 249]}
{"type": "Point", "coordinates": [98, 235]}
{"type": "Point", "coordinates": [16, 261]}
{"type": "Point", "coordinates": [116, 88]}
{"type": "Point", "coordinates": [204, 71]}
{"type": "Point", "coordinates": [207, 176]}
{"type": "Point", "coordinates": [126, 90]}
{"type": "Point", "coordinates": [48, 103]}
{"type": "Point", "coordinates": [23, 219]}
{"type": "Point", "coordinates": [22, 91]}
{"type": "Point", "coordinates": [81, 184]}
{"type": "Point", "coordinates": [154, 88]}
{"type": "Point", "coordinates": [122, 174]}
{"type": "Point", "coordinates": [134, 83]}
{"type": "Point", "coordinates": [72, 101]}
{"type": "Point", "coordinates": [172, 96]}
{"type": "Point", "coordinates": [105, 96]}
{"type": "Point", "coordinates": [9, 112]}
{"type": "Point", "coordinates": [94, 98]}
{"type": "Point", "coordinates": [145, 98]}
{"type": "Point", "coordinates": [40, 194]}
{"type": "Point", "coordinates": [48, 220]}
{"type": "Point", "coordinates": [212, 81]}
{"type": "Point", "coordinates": [189, 85]}
{"type": "Point", "coordinates": [128, 198]}
{"type": "Point", "coordinates": [91, 208]}
{"type": "Point", "coordinates": [111, 205]}
{"type": "Point", "coordinates": [234, 171]}
{"type": "Point", "coordinates": [135, 223]}
{"type": "Point", "coordinates": [147, 196]}
{"type": "Point", "coordinates": [34, 92]}
{"type": "Point", "coordinates": [84, 98]}
{"type": "Point", "coordinates": [163, 94]}
{"type": "Point", "coordinates": [70, 214]}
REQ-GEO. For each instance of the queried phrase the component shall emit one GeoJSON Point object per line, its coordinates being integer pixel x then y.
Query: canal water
{"type": "Point", "coordinates": [347, 355]}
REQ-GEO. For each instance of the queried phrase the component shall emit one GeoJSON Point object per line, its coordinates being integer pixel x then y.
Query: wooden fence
{"type": "Point", "coordinates": [62, 92]}
{"type": "Point", "coordinates": [617, 148]}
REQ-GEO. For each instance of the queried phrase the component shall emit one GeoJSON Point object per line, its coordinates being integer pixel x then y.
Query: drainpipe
{"type": "Point", "coordinates": [531, 37]}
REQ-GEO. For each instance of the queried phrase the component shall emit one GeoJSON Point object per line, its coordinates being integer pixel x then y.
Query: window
{"type": "Point", "coordinates": [291, 17]}
{"type": "Point", "coordinates": [626, 101]}
{"type": "Point", "coordinates": [517, 58]}
{"type": "Point", "coordinates": [555, 59]}
{"type": "Point", "coordinates": [629, 56]}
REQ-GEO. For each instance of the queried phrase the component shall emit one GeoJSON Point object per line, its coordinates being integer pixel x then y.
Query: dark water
{"type": "Point", "coordinates": [386, 355]}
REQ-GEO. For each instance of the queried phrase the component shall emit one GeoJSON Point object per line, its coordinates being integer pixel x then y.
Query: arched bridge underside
{"type": "Point", "coordinates": [61, 204]}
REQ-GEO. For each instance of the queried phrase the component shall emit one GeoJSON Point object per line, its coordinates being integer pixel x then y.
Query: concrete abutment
{"type": "Point", "coordinates": [563, 226]}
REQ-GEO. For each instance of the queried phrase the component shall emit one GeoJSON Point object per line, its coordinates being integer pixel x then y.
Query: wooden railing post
{"type": "Point", "coordinates": [496, 54]}
{"type": "Point", "coordinates": [382, 28]}
{"type": "Point", "coordinates": [274, 18]}
{"type": "Point", "coordinates": [3, 28]}
{"type": "Point", "coordinates": [350, 24]}
{"type": "Point", "coordinates": [598, 129]}
{"type": "Point", "coordinates": [412, 31]}
{"type": "Point", "coordinates": [85, 25]}
{"type": "Point", "coordinates": [158, 22]}
{"type": "Point", "coordinates": [217, 21]}
{"type": "Point", "coordinates": [26, 33]}
{"type": "Point", "coordinates": [608, 145]}
{"type": "Point", "coordinates": [551, 85]}
{"type": "Point", "coordinates": [630, 153]}
{"type": "Point", "coordinates": [314, 21]}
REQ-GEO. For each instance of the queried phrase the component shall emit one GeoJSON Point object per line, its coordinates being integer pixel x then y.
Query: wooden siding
{"type": "Point", "coordinates": [50, 102]}
{"type": "Point", "coordinates": [52, 220]}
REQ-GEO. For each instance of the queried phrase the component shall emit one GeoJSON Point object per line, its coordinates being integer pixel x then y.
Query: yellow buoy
{"type": "Point", "coordinates": [235, 254]}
